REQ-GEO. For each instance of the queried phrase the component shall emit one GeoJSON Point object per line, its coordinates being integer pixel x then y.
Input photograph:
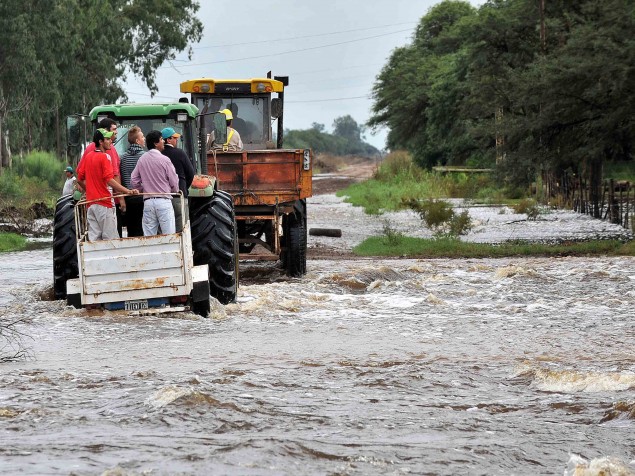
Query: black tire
{"type": "Point", "coordinates": [225, 196]}
{"type": "Point", "coordinates": [74, 300]}
{"type": "Point", "coordinates": [199, 299]}
{"type": "Point", "coordinates": [64, 245]}
{"type": "Point", "coordinates": [214, 243]}
{"type": "Point", "coordinates": [296, 241]}
{"type": "Point", "coordinates": [201, 308]}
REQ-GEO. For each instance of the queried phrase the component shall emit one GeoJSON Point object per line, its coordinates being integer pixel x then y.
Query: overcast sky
{"type": "Point", "coordinates": [331, 50]}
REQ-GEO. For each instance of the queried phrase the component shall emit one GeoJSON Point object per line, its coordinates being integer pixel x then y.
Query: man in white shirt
{"type": "Point", "coordinates": [69, 185]}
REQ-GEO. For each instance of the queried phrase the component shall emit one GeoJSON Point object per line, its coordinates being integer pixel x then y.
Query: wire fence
{"type": "Point", "coordinates": [610, 200]}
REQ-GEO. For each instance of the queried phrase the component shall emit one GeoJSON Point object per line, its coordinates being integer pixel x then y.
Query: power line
{"type": "Point", "coordinates": [327, 100]}
{"type": "Point", "coordinates": [335, 69]}
{"type": "Point", "coordinates": [302, 37]}
{"type": "Point", "coordinates": [289, 52]}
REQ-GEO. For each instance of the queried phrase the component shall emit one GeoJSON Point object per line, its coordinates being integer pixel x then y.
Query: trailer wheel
{"type": "Point", "coordinates": [64, 245]}
{"type": "Point", "coordinates": [214, 243]}
{"type": "Point", "coordinates": [296, 240]}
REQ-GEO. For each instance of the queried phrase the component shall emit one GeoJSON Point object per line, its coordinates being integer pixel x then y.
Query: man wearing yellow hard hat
{"type": "Point", "coordinates": [234, 143]}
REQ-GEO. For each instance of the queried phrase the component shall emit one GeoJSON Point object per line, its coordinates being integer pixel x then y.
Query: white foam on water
{"type": "Point", "coordinates": [604, 466]}
{"type": "Point", "coordinates": [574, 381]}
{"type": "Point", "coordinates": [167, 395]}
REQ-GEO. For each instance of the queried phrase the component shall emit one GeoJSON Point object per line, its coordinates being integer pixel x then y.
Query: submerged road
{"type": "Point", "coordinates": [492, 366]}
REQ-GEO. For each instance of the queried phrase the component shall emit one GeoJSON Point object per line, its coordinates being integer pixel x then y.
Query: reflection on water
{"type": "Point", "coordinates": [506, 366]}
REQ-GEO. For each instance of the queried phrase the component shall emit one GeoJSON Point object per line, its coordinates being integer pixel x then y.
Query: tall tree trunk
{"type": "Point", "coordinates": [5, 153]}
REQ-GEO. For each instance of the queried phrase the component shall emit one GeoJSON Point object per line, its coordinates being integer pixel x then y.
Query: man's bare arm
{"type": "Point", "coordinates": [121, 189]}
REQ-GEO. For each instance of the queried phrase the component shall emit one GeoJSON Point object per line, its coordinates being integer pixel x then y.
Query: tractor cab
{"type": "Point", "coordinates": [250, 102]}
{"type": "Point", "coordinates": [184, 118]}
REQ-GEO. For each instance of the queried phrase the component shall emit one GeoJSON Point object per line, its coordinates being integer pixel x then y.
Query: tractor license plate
{"type": "Point", "coordinates": [136, 305]}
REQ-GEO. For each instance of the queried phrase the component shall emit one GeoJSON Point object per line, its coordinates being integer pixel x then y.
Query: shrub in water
{"type": "Point", "coordinates": [528, 207]}
{"type": "Point", "coordinates": [439, 216]}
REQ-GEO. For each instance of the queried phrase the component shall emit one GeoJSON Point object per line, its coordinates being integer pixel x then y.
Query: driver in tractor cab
{"type": "Point", "coordinates": [234, 143]}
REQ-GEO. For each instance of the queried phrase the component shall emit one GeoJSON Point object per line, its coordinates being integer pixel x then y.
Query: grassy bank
{"type": "Point", "coordinates": [404, 246]}
{"type": "Point", "coordinates": [399, 180]}
{"type": "Point", "coordinates": [12, 242]}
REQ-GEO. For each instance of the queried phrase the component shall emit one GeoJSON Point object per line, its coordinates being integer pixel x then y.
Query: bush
{"type": "Point", "coordinates": [528, 207]}
{"type": "Point", "coordinates": [399, 164]}
{"type": "Point", "coordinates": [42, 166]}
{"type": "Point", "coordinates": [439, 216]}
{"type": "Point", "coordinates": [11, 186]}
{"type": "Point", "coordinates": [391, 235]}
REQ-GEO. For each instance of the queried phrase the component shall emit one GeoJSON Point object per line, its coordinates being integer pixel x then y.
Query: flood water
{"type": "Point", "coordinates": [494, 366]}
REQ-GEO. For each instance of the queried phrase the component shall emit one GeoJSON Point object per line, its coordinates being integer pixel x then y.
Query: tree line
{"type": "Point", "coordinates": [347, 138]}
{"type": "Point", "coordinates": [528, 86]}
{"type": "Point", "coordinates": [65, 56]}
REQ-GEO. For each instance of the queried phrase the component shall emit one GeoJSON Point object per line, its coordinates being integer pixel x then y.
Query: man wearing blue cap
{"type": "Point", "coordinates": [69, 185]}
{"type": "Point", "coordinates": [184, 169]}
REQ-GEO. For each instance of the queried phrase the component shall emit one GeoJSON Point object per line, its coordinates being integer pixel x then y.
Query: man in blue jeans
{"type": "Point", "coordinates": [155, 174]}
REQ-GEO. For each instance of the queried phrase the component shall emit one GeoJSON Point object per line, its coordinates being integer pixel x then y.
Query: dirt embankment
{"type": "Point", "coordinates": [333, 182]}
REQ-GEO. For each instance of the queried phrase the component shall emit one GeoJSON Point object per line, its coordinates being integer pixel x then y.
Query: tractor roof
{"type": "Point", "coordinates": [220, 86]}
{"type": "Point", "coordinates": [142, 110]}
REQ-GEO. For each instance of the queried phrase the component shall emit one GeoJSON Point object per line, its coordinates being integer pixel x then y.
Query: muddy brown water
{"type": "Point", "coordinates": [495, 366]}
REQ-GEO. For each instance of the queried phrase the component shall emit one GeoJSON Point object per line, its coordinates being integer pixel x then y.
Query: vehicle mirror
{"type": "Point", "coordinates": [73, 130]}
{"type": "Point", "coordinates": [276, 108]}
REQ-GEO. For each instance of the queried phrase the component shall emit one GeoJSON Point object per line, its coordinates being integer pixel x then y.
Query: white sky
{"type": "Point", "coordinates": [331, 50]}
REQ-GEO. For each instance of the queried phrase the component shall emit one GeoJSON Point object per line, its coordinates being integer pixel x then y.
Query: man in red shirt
{"type": "Point", "coordinates": [95, 175]}
{"type": "Point", "coordinates": [111, 126]}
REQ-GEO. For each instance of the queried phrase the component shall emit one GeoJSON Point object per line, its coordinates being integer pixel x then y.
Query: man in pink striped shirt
{"type": "Point", "coordinates": [155, 174]}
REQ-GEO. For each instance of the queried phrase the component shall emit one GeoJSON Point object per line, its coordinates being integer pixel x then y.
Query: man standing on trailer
{"type": "Point", "coordinates": [184, 169]}
{"type": "Point", "coordinates": [155, 174]}
{"type": "Point", "coordinates": [134, 205]}
{"type": "Point", "coordinates": [111, 126]}
{"type": "Point", "coordinates": [95, 175]}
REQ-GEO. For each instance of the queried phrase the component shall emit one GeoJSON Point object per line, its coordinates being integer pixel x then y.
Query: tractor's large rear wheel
{"type": "Point", "coordinates": [295, 241]}
{"type": "Point", "coordinates": [64, 245]}
{"type": "Point", "coordinates": [214, 242]}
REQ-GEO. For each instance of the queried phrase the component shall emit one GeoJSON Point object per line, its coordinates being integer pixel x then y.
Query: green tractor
{"type": "Point", "coordinates": [212, 222]}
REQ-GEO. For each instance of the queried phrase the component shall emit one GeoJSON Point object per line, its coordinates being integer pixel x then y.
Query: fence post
{"type": "Point", "coordinates": [628, 204]}
{"type": "Point", "coordinates": [614, 211]}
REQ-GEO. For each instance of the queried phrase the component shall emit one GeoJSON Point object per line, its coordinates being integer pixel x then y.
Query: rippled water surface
{"type": "Point", "coordinates": [498, 366]}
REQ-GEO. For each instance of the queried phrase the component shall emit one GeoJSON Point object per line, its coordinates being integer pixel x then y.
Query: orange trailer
{"type": "Point", "coordinates": [268, 184]}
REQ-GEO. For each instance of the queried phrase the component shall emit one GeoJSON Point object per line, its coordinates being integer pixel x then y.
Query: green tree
{"type": "Point", "coordinates": [318, 127]}
{"type": "Point", "coordinates": [347, 127]}
{"type": "Point", "coordinates": [417, 93]}
{"type": "Point", "coordinates": [69, 55]}
{"type": "Point", "coordinates": [476, 85]}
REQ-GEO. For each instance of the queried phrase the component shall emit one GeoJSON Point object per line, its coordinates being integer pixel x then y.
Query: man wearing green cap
{"type": "Point", "coordinates": [69, 185]}
{"type": "Point", "coordinates": [95, 175]}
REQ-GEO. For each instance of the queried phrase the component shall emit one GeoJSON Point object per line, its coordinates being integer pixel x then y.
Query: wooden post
{"type": "Point", "coordinates": [621, 207]}
{"type": "Point", "coordinates": [628, 205]}
{"type": "Point", "coordinates": [614, 211]}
